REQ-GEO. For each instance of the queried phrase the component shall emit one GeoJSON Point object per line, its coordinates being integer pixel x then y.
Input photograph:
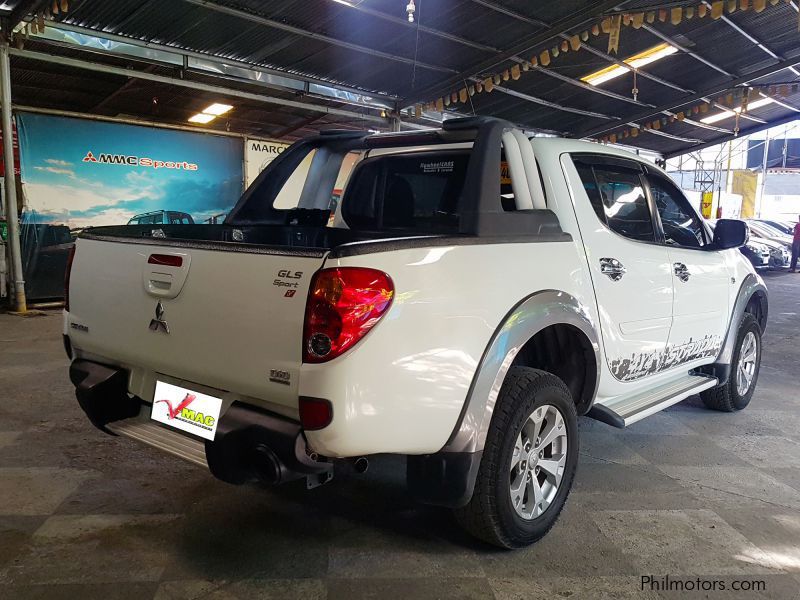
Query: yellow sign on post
{"type": "Point", "coordinates": [745, 184]}
{"type": "Point", "coordinates": [706, 204]}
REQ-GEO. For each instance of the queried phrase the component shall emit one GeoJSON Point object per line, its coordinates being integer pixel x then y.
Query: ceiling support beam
{"type": "Point", "coordinates": [639, 72]}
{"type": "Point", "coordinates": [708, 63]}
{"type": "Point", "coordinates": [209, 65]}
{"type": "Point", "coordinates": [752, 39]}
{"type": "Point", "coordinates": [702, 95]}
{"type": "Point", "coordinates": [267, 22]}
{"type": "Point", "coordinates": [671, 136]}
{"type": "Point", "coordinates": [589, 88]}
{"type": "Point", "coordinates": [685, 50]}
{"type": "Point", "coordinates": [548, 104]}
{"type": "Point", "coordinates": [511, 13]}
{"type": "Point", "coordinates": [576, 19]}
{"type": "Point", "coordinates": [764, 48]}
{"type": "Point", "coordinates": [697, 57]}
{"type": "Point", "coordinates": [196, 85]}
{"type": "Point", "coordinates": [126, 120]}
{"type": "Point", "coordinates": [599, 90]}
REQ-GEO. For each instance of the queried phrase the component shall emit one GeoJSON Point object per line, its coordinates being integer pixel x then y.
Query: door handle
{"type": "Point", "coordinates": [613, 268]}
{"type": "Point", "coordinates": [681, 271]}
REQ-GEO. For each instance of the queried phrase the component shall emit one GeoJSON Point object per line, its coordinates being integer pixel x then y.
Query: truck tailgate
{"type": "Point", "coordinates": [229, 320]}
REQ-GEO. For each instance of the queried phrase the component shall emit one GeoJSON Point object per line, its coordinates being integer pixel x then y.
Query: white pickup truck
{"type": "Point", "coordinates": [472, 293]}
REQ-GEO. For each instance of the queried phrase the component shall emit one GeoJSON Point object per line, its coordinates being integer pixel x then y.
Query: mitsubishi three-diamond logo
{"type": "Point", "coordinates": [159, 323]}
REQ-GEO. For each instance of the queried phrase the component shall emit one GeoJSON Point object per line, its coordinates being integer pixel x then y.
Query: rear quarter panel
{"type": "Point", "coordinates": [401, 389]}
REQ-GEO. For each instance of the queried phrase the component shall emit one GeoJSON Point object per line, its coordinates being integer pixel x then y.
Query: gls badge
{"type": "Point", "coordinates": [159, 323]}
{"type": "Point", "coordinates": [292, 286]}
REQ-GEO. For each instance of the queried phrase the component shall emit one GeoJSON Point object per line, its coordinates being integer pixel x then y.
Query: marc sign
{"type": "Point", "coordinates": [186, 410]}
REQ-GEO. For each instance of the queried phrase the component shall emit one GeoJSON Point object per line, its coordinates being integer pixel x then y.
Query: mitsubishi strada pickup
{"type": "Point", "coordinates": [472, 293]}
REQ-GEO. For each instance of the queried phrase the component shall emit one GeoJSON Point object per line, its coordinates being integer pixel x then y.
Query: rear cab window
{"type": "Point", "coordinates": [418, 192]}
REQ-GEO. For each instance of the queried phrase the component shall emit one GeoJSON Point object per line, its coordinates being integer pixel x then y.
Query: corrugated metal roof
{"type": "Point", "coordinates": [372, 47]}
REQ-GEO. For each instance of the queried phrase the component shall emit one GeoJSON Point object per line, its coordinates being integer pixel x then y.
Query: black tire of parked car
{"type": "Point", "coordinates": [490, 515]}
{"type": "Point", "coordinates": [726, 397]}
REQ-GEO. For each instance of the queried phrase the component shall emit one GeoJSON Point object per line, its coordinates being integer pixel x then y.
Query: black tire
{"type": "Point", "coordinates": [490, 514]}
{"type": "Point", "coordinates": [726, 397]}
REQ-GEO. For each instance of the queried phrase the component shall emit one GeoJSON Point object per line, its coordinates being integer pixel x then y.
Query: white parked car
{"type": "Point", "coordinates": [445, 312]}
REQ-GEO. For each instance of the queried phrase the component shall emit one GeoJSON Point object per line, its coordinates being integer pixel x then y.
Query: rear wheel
{"type": "Point", "coordinates": [736, 393]}
{"type": "Point", "coordinates": [528, 463]}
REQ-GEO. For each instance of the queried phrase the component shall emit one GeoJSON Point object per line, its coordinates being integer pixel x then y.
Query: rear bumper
{"type": "Point", "coordinates": [250, 444]}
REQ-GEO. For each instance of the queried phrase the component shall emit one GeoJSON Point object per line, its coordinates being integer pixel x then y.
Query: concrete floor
{"type": "Point", "coordinates": [687, 493]}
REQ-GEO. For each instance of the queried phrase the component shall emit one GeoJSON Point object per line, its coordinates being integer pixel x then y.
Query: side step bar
{"type": "Point", "coordinates": [626, 410]}
{"type": "Point", "coordinates": [152, 434]}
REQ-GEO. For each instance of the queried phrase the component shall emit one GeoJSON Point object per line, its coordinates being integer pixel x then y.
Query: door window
{"type": "Point", "coordinates": [682, 226]}
{"type": "Point", "coordinates": [618, 198]}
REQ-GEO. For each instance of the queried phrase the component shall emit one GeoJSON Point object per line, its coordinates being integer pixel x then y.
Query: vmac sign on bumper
{"type": "Point", "coordinates": [186, 410]}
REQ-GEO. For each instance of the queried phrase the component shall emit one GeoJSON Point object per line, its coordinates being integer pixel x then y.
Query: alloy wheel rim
{"type": "Point", "coordinates": [538, 462]}
{"type": "Point", "coordinates": [746, 369]}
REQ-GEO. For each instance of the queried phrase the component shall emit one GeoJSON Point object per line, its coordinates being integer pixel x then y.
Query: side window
{"type": "Point", "coordinates": [618, 198]}
{"type": "Point", "coordinates": [682, 226]}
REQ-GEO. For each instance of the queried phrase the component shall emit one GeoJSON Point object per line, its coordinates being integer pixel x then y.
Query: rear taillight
{"type": "Point", "coordinates": [67, 272]}
{"type": "Point", "coordinates": [343, 305]}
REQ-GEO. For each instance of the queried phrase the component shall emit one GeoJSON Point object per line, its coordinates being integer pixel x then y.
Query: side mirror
{"type": "Point", "coordinates": [730, 233]}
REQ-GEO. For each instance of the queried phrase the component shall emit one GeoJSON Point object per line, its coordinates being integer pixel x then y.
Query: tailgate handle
{"type": "Point", "coordinates": [160, 281]}
{"type": "Point", "coordinates": [165, 273]}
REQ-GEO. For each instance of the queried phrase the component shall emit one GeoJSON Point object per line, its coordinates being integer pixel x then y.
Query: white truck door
{"type": "Point", "coordinates": [630, 270]}
{"type": "Point", "coordinates": [700, 277]}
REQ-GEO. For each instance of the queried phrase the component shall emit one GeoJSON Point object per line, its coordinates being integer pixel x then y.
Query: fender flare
{"type": "Point", "coordinates": [752, 285]}
{"type": "Point", "coordinates": [530, 316]}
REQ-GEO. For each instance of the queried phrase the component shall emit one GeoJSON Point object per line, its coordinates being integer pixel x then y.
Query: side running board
{"type": "Point", "coordinates": [626, 410]}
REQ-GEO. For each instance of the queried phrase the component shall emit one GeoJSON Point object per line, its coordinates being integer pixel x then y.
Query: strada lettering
{"type": "Point", "coordinates": [136, 161]}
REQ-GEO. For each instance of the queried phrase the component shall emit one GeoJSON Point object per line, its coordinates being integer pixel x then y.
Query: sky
{"type": "Point", "coordinates": [61, 187]}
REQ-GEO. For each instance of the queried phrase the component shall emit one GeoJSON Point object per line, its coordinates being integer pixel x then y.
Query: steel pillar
{"type": "Point", "coordinates": [12, 217]}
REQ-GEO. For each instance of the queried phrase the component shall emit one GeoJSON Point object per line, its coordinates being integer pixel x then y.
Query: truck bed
{"type": "Point", "coordinates": [302, 240]}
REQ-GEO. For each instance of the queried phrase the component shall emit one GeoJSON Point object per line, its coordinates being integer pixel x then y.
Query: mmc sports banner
{"type": "Point", "coordinates": [83, 173]}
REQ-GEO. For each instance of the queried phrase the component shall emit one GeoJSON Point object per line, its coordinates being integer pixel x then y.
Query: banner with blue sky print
{"type": "Point", "coordinates": [83, 173]}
